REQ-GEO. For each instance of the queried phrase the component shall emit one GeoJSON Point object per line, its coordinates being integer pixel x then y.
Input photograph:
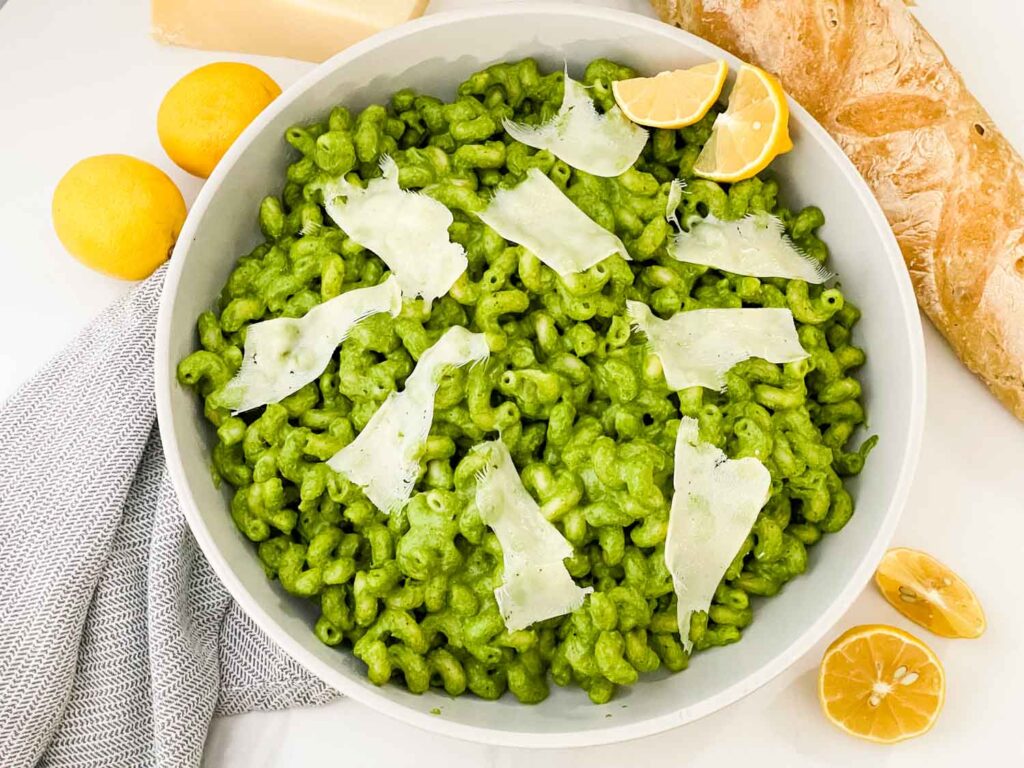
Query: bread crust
{"type": "Point", "coordinates": [950, 184]}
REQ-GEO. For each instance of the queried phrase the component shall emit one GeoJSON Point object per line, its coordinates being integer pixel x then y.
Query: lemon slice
{"type": "Point", "coordinates": [753, 130]}
{"type": "Point", "coordinates": [672, 99]}
{"type": "Point", "coordinates": [929, 593]}
{"type": "Point", "coordinates": [881, 684]}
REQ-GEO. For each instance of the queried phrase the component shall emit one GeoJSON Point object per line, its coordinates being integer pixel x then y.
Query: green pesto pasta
{"type": "Point", "coordinates": [579, 401]}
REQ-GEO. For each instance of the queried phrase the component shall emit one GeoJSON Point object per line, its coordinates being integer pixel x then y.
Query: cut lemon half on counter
{"type": "Point", "coordinates": [929, 593]}
{"type": "Point", "coordinates": [673, 99]}
{"type": "Point", "coordinates": [881, 684]}
{"type": "Point", "coordinates": [753, 130]}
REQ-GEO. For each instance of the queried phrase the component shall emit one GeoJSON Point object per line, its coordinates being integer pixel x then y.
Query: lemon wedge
{"type": "Point", "coordinates": [673, 99]}
{"type": "Point", "coordinates": [753, 130]}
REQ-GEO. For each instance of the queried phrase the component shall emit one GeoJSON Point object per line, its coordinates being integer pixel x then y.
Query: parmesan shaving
{"type": "Point", "coordinates": [697, 348]}
{"type": "Point", "coordinates": [602, 145]}
{"type": "Point", "coordinates": [536, 214]}
{"type": "Point", "coordinates": [384, 458]}
{"type": "Point", "coordinates": [675, 197]}
{"type": "Point", "coordinates": [536, 584]}
{"type": "Point", "coordinates": [755, 245]}
{"type": "Point", "coordinates": [284, 354]}
{"type": "Point", "coordinates": [408, 230]}
{"type": "Point", "coordinates": [715, 504]}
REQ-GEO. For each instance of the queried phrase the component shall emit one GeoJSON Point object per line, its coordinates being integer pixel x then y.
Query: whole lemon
{"type": "Point", "coordinates": [118, 215]}
{"type": "Point", "coordinates": [204, 112]}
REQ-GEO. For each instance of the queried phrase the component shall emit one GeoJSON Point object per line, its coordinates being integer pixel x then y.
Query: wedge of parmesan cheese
{"type": "Point", "coordinates": [715, 504]}
{"type": "Point", "coordinates": [697, 348]}
{"type": "Point", "coordinates": [536, 584]}
{"type": "Point", "coordinates": [312, 30]}
{"type": "Point", "coordinates": [536, 214]}
{"type": "Point", "coordinates": [602, 145]}
{"type": "Point", "coordinates": [755, 245]}
{"type": "Point", "coordinates": [284, 354]}
{"type": "Point", "coordinates": [384, 458]}
{"type": "Point", "coordinates": [406, 229]}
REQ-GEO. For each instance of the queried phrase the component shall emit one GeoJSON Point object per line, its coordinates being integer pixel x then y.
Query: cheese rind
{"type": "Point", "coordinates": [311, 30]}
{"type": "Point", "coordinates": [698, 347]}
{"type": "Point", "coordinates": [536, 214]}
{"type": "Point", "coordinates": [715, 504]}
{"type": "Point", "coordinates": [536, 584]}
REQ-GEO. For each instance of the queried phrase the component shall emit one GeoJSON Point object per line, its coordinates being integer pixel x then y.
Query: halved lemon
{"type": "Point", "coordinates": [671, 99]}
{"type": "Point", "coordinates": [929, 593]}
{"type": "Point", "coordinates": [753, 130]}
{"type": "Point", "coordinates": [881, 684]}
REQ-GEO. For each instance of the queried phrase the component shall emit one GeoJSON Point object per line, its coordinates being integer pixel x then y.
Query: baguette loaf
{"type": "Point", "coordinates": [950, 184]}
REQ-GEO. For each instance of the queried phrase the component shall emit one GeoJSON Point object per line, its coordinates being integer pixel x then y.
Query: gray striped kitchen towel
{"type": "Point", "coordinates": [117, 641]}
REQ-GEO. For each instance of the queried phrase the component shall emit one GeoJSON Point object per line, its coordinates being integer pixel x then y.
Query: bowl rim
{"type": "Point", "coordinates": [613, 733]}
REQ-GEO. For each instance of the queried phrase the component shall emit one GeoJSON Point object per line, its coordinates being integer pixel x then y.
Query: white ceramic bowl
{"type": "Point", "coordinates": [433, 55]}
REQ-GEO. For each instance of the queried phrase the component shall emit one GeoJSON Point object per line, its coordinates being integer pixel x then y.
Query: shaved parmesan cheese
{"type": "Point", "coordinates": [675, 197]}
{"type": "Point", "coordinates": [537, 592]}
{"type": "Point", "coordinates": [536, 214]}
{"type": "Point", "coordinates": [536, 584]}
{"type": "Point", "coordinates": [698, 347]}
{"type": "Point", "coordinates": [284, 354]}
{"type": "Point", "coordinates": [756, 245]}
{"type": "Point", "coordinates": [602, 145]}
{"type": "Point", "coordinates": [715, 504]}
{"type": "Point", "coordinates": [408, 230]}
{"type": "Point", "coordinates": [384, 458]}
{"type": "Point", "coordinates": [506, 506]}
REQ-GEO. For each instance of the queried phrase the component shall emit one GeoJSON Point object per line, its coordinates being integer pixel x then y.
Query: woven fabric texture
{"type": "Point", "coordinates": [117, 642]}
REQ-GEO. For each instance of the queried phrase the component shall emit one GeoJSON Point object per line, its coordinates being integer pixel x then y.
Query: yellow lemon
{"type": "Point", "coordinates": [881, 684]}
{"type": "Point", "coordinates": [672, 99]}
{"type": "Point", "coordinates": [753, 130]}
{"type": "Point", "coordinates": [929, 593]}
{"type": "Point", "coordinates": [118, 215]}
{"type": "Point", "coordinates": [204, 112]}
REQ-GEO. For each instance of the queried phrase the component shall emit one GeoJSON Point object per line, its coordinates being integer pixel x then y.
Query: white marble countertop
{"type": "Point", "coordinates": [80, 78]}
